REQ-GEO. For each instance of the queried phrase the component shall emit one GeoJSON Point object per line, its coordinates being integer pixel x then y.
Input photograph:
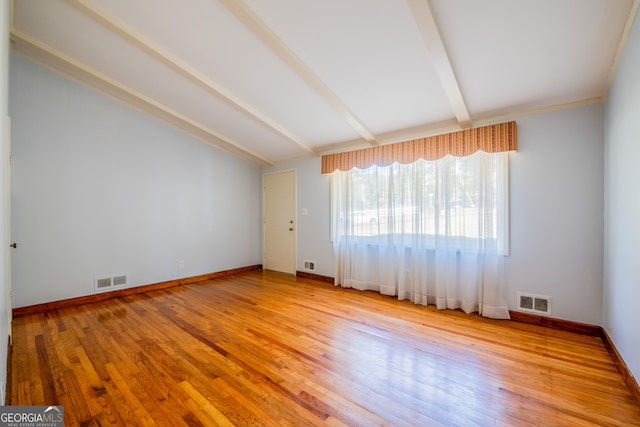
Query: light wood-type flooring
{"type": "Point", "coordinates": [264, 348]}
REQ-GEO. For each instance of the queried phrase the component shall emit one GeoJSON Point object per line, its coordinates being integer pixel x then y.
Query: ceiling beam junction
{"type": "Point", "coordinates": [256, 25]}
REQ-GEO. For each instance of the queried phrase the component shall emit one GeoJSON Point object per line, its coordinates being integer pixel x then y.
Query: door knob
{"type": "Point", "coordinates": [13, 245]}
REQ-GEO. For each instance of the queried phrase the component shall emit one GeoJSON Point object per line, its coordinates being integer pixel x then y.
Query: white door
{"type": "Point", "coordinates": [279, 228]}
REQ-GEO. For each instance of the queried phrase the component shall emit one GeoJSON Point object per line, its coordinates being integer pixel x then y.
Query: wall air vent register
{"type": "Point", "coordinates": [107, 283]}
{"type": "Point", "coordinates": [539, 304]}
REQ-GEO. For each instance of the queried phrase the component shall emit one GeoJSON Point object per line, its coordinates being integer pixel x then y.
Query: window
{"type": "Point", "coordinates": [454, 203]}
{"type": "Point", "coordinates": [433, 232]}
{"type": "Point", "coordinates": [426, 219]}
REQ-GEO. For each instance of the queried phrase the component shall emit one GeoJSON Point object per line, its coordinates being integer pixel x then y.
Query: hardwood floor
{"type": "Point", "coordinates": [264, 348]}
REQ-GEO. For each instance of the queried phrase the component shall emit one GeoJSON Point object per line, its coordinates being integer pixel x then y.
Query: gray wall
{"type": "Point", "coordinates": [556, 188]}
{"type": "Point", "coordinates": [100, 189]}
{"type": "Point", "coordinates": [622, 206]}
{"type": "Point", "coordinates": [556, 197]}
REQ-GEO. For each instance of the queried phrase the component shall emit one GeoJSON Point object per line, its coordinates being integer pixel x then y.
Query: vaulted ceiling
{"type": "Point", "coordinates": [276, 80]}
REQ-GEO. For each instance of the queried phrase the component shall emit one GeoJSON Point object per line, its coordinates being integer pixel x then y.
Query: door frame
{"type": "Point", "coordinates": [294, 213]}
{"type": "Point", "coordinates": [6, 160]}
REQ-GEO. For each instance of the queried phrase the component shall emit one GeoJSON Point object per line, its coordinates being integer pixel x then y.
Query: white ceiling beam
{"type": "Point", "coordinates": [256, 25]}
{"type": "Point", "coordinates": [120, 28]}
{"type": "Point", "coordinates": [423, 16]}
{"type": "Point", "coordinates": [62, 63]}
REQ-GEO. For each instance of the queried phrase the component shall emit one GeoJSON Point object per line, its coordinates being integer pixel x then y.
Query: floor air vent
{"type": "Point", "coordinates": [106, 283]}
{"type": "Point", "coordinates": [539, 304]}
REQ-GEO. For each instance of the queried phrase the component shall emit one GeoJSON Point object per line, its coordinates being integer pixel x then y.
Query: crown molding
{"type": "Point", "coordinates": [620, 50]}
{"type": "Point", "coordinates": [448, 127]}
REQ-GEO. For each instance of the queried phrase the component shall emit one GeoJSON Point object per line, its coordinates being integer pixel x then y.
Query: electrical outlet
{"type": "Point", "coordinates": [181, 264]}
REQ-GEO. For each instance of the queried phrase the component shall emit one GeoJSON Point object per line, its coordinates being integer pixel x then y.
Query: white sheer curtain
{"type": "Point", "coordinates": [433, 232]}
